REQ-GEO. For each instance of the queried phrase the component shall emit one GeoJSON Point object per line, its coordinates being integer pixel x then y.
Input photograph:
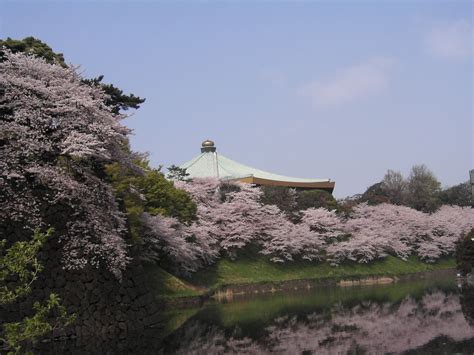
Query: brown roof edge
{"type": "Point", "coordinates": [325, 185]}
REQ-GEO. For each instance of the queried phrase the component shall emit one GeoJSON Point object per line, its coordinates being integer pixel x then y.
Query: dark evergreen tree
{"type": "Point", "coordinates": [315, 199]}
{"type": "Point", "coordinates": [177, 174]}
{"type": "Point", "coordinates": [375, 194]}
{"type": "Point", "coordinates": [34, 46]}
{"type": "Point", "coordinates": [117, 99]}
{"type": "Point", "coordinates": [282, 197]}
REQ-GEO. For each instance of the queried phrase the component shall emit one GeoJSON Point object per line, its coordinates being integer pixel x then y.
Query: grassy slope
{"type": "Point", "coordinates": [253, 269]}
{"type": "Point", "coordinates": [169, 286]}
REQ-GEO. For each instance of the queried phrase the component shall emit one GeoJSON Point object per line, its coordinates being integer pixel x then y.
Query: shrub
{"type": "Point", "coordinates": [315, 199]}
{"type": "Point", "coordinates": [465, 253]}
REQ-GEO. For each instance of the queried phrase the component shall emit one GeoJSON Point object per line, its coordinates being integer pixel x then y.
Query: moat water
{"type": "Point", "coordinates": [426, 315]}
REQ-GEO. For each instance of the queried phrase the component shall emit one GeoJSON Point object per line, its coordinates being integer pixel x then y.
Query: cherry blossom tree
{"type": "Point", "coordinates": [56, 135]}
{"type": "Point", "coordinates": [236, 218]}
{"type": "Point", "coordinates": [239, 220]}
{"type": "Point", "coordinates": [185, 248]}
{"type": "Point", "coordinates": [376, 231]}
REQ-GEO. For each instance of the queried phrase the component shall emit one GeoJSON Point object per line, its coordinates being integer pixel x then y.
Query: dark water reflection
{"type": "Point", "coordinates": [430, 315]}
{"type": "Point", "coordinates": [417, 316]}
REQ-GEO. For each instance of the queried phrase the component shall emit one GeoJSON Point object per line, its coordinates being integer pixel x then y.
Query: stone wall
{"type": "Point", "coordinates": [106, 307]}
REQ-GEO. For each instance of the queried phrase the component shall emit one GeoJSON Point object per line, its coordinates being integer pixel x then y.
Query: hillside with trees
{"type": "Point", "coordinates": [421, 190]}
{"type": "Point", "coordinates": [67, 168]}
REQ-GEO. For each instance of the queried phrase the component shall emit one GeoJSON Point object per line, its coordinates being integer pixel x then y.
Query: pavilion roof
{"type": "Point", "coordinates": [211, 164]}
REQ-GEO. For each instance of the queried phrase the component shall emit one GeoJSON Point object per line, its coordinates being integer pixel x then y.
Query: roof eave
{"type": "Point", "coordinates": [321, 185]}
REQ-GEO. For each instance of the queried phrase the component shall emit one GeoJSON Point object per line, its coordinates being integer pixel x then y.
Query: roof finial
{"type": "Point", "coordinates": [208, 146]}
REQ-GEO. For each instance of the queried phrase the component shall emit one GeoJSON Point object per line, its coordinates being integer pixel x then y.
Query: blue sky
{"type": "Point", "coordinates": [344, 90]}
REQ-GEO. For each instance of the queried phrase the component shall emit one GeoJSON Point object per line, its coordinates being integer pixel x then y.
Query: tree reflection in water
{"type": "Point", "coordinates": [378, 328]}
{"type": "Point", "coordinates": [467, 304]}
{"type": "Point", "coordinates": [427, 316]}
{"type": "Point", "coordinates": [425, 323]}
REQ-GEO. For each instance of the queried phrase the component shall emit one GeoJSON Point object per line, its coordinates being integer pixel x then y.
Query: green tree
{"type": "Point", "coordinates": [117, 99]}
{"type": "Point", "coordinates": [315, 199]}
{"type": "Point", "coordinates": [459, 195]}
{"type": "Point", "coordinates": [465, 253]}
{"type": "Point", "coordinates": [148, 191]}
{"type": "Point", "coordinates": [19, 262]}
{"type": "Point", "coordinates": [33, 46]}
{"type": "Point", "coordinates": [375, 194]}
{"type": "Point", "coordinates": [176, 173]}
{"type": "Point", "coordinates": [283, 197]}
{"type": "Point", "coordinates": [394, 187]}
{"type": "Point", "coordinates": [423, 189]}
{"type": "Point", "coordinates": [161, 197]}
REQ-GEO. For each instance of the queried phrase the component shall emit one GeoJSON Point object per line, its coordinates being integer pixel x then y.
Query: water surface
{"type": "Point", "coordinates": [425, 315]}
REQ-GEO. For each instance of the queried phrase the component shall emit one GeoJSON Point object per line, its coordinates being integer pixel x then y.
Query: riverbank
{"type": "Point", "coordinates": [251, 315]}
{"type": "Point", "coordinates": [251, 269]}
{"type": "Point", "coordinates": [254, 274]}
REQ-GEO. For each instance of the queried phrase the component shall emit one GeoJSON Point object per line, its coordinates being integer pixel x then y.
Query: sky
{"type": "Point", "coordinates": [313, 89]}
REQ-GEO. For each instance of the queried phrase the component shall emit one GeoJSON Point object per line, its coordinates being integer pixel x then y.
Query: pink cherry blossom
{"type": "Point", "coordinates": [55, 133]}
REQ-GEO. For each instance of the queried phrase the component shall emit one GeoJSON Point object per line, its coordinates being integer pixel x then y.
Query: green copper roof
{"type": "Point", "coordinates": [212, 164]}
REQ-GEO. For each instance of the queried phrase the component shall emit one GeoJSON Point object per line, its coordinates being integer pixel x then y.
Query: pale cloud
{"type": "Point", "coordinates": [357, 82]}
{"type": "Point", "coordinates": [451, 40]}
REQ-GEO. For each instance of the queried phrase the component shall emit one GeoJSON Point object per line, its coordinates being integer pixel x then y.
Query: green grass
{"type": "Point", "coordinates": [166, 285]}
{"type": "Point", "coordinates": [255, 269]}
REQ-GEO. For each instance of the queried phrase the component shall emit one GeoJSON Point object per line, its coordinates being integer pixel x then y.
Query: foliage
{"type": "Point", "coordinates": [394, 187]}
{"type": "Point", "coordinates": [148, 191]}
{"type": "Point", "coordinates": [420, 190]}
{"type": "Point", "coordinates": [33, 46]}
{"type": "Point", "coordinates": [375, 195]}
{"type": "Point", "coordinates": [423, 189]}
{"type": "Point", "coordinates": [177, 173]}
{"type": "Point", "coordinates": [56, 134]}
{"type": "Point", "coordinates": [161, 197]}
{"type": "Point", "coordinates": [180, 247]}
{"type": "Point", "coordinates": [48, 317]}
{"type": "Point", "coordinates": [225, 188]}
{"type": "Point", "coordinates": [116, 99]}
{"type": "Point", "coordinates": [315, 199]}
{"type": "Point", "coordinates": [20, 261]}
{"type": "Point", "coordinates": [240, 221]}
{"type": "Point", "coordinates": [398, 230]}
{"type": "Point", "coordinates": [465, 253]}
{"type": "Point", "coordinates": [19, 267]}
{"type": "Point", "coordinates": [459, 195]}
{"type": "Point", "coordinates": [282, 197]}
